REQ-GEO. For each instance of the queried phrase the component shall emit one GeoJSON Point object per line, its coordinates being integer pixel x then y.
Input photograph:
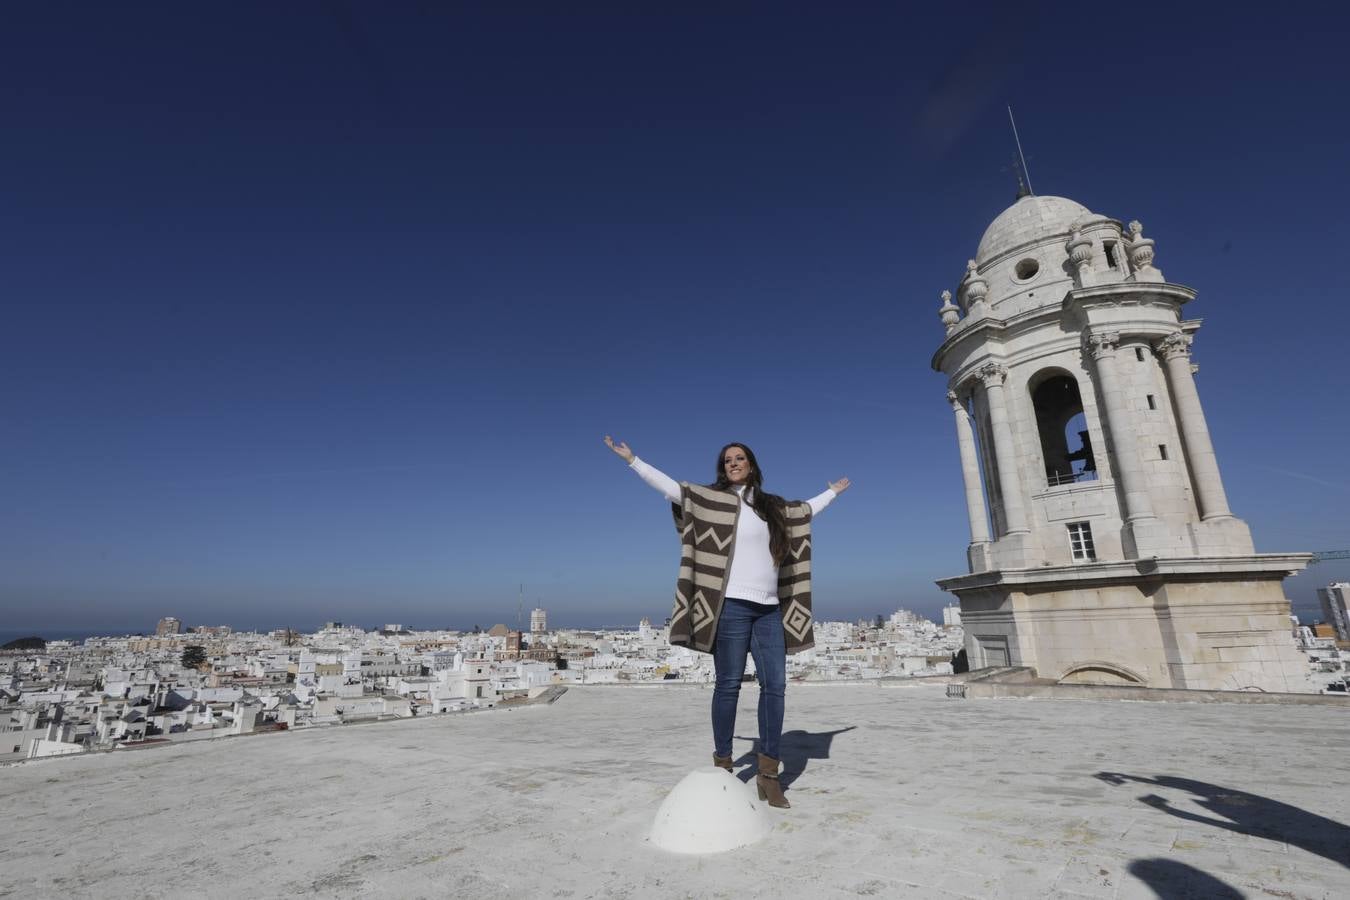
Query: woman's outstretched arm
{"type": "Point", "coordinates": [653, 476]}
{"type": "Point", "coordinates": [823, 499]}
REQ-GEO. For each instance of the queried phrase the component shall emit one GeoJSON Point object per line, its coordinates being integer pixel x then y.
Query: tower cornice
{"type": "Point", "coordinates": [1130, 293]}
{"type": "Point", "coordinates": [990, 327]}
{"type": "Point", "coordinates": [993, 329]}
{"type": "Point", "coordinates": [1249, 566]}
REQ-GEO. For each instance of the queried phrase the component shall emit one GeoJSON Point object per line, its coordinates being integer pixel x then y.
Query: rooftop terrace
{"type": "Point", "coordinates": [896, 792]}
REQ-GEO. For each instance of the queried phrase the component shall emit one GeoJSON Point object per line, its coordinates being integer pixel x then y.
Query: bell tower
{"type": "Point", "coordinates": [1102, 546]}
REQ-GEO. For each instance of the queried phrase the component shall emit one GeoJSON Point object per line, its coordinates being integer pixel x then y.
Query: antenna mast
{"type": "Point", "coordinates": [1025, 174]}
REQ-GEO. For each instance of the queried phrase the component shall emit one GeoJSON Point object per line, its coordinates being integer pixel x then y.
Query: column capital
{"type": "Point", "coordinates": [991, 374]}
{"type": "Point", "coordinates": [1174, 346]}
{"type": "Point", "coordinates": [1102, 344]}
{"type": "Point", "coordinates": [958, 398]}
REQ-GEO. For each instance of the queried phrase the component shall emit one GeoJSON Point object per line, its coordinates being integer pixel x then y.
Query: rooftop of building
{"type": "Point", "coordinates": [896, 791]}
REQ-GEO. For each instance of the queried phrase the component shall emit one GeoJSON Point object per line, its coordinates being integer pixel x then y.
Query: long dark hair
{"type": "Point", "coordinates": [768, 507]}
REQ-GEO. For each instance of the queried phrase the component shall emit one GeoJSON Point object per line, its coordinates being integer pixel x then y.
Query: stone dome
{"type": "Point", "coordinates": [1028, 220]}
{"type": "Point", "coordinates": [709, 811]}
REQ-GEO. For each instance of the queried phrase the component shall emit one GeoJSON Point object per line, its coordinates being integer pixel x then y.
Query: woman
{"type": "Point", "coordinates": [744, 586]}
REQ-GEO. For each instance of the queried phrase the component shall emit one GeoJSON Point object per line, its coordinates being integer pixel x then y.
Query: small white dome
{"type": "Point", "coordinates": [709, 811]}
{"type": "Point", "coordinates": [1028, 220]}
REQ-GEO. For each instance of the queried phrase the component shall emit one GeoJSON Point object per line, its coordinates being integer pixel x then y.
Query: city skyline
{"type": "Point", "coordinates": [326, 319]}
{"type": "Point", "coordinates": [368, 624]}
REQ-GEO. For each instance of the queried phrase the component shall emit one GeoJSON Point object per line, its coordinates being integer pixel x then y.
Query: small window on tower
{"type": "Point", "coordinates": [1027, 269]}
{"type": "Point", "coordinates": [1162, 451]}
{"type": "Point", "coordinates": [1080, 542]}
{"type": "Point", "coordinates": [1152, 404]}
{"type": "Point", "coordinates": [1139, 353]}
{"type": "Point", "coordinates": [1110, 247]}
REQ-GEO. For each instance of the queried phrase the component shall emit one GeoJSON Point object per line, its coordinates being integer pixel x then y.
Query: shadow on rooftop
{"type": "Point", "coordinates": [795, 749]}
{"type": "Point", "coordinates": [1172, 880]}
{"type": "Point", "coordinates": [1250, 814]}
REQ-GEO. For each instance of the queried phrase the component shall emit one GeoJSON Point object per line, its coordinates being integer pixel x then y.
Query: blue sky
{"type": "Point", "coordinates": [321, 310]}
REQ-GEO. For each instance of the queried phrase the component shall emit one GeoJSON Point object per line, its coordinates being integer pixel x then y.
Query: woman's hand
{"type": "Point", "coordinates": [837, 486]}
{"type": "Point", "coordinates": [622, 449]}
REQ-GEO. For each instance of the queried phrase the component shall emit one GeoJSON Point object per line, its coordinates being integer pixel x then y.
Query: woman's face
{"type": "Point", "coordinates": [735, 465]}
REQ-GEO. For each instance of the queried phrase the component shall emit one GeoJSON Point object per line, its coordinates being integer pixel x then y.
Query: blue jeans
{"type": "Point", "coordinates": [758, 629]}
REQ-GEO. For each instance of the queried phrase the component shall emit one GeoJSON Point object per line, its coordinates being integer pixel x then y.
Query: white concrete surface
{"type": "Point", "coordinates": [896, 792]}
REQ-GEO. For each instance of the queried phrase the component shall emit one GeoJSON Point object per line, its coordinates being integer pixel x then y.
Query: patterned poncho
{"type": "Point", "coordinates": [706, 521]}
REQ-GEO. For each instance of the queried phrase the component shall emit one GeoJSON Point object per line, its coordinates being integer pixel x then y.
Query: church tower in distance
{"type": "Point", "coordinates": [1107, 552]}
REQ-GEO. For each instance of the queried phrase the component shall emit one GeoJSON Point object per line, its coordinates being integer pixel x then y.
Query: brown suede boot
{"type": "Point", "coordinates": [769, 788]}
{"type": "Point", "coordinates": [722, 762]}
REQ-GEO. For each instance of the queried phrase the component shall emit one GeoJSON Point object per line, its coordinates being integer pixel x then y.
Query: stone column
{"type": "Point", "coordinates": [992, 375]}
{"type": "Point", "coordinates": [970, 472]}
{"type": "Point", "coordinates": [1125, 462]}
{"type": "Point", "coordinates": [1175, 350]}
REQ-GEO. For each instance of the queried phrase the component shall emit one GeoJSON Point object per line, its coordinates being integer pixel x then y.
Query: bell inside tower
{"type": "Point", "coordinates": [1066, 447]}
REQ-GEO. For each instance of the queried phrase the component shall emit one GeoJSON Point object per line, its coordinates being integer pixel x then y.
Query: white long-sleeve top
{"type": "Point", "coordinates": [753, 575]}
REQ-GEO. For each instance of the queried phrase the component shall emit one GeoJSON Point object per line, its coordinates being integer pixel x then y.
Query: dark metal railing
{"type": "Point", "coordinates": [1055, 479]}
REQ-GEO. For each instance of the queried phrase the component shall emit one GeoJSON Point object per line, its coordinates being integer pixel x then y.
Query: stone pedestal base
{"type": "Point", "coordinates": [1222, 537]}
{"type": "Point", "coordinates": [1013, 551]}
{"type": "Point", "coordinates": [1146, 538]}
{"type": "Point", "coordinates": [980, 556]}
{"type": "Point", "coordinates": [1218, 623]}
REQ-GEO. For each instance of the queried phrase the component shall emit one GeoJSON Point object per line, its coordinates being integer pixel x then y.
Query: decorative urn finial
{"type": "Point", "coordinates": [976, 289]}
{"type": "Point", "coordinates": [949, 312]}
{"type": "Point", "coordinates": [1141, 254]}
{"type": "Point", "coordinates": [1080, 255]}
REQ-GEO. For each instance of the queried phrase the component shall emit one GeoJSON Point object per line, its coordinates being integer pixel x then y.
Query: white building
{"type": "Point", "coordinates": [1108, 552]}
{"type": "Point", "coordinates": [1334, 597]}
{"type": "Point", "coordinates": [538, 621]}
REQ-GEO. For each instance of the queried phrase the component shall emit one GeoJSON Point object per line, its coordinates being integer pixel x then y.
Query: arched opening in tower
{"type": "Point", "coordinates": [1066, 446]}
